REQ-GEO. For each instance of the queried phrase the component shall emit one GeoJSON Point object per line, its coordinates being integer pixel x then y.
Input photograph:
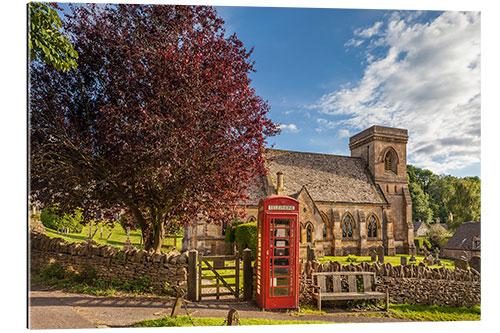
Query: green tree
{"type": "Point", "coordinates": [420, 203]}
{"type": "Point", "coordinates": [45, 41]}
{"type": "Point", "coordinates": [440, 191]}
{"type": "Point", "coordinates": [437, 236]}
{"type": "Point", "coordinates": [465, 203]}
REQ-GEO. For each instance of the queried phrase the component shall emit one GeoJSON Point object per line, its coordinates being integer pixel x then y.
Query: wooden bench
{"type": "Point", "coordinates": [350, 291]}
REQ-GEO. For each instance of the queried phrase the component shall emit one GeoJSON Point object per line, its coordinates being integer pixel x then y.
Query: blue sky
{"type": "Point", "coordinates": [330, 73]}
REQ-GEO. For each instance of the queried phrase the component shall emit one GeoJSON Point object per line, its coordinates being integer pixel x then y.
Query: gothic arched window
{"type": "Point", "coordinates": [309, 234]}
{"type": "Point", "coordinates": [347, 227]}
{"type": "Point", "coordinates": [324, 230]}
{"type": "Point", "coordinates": [372, 227]}
{"type": "Point", "coordinates": [390, 161]}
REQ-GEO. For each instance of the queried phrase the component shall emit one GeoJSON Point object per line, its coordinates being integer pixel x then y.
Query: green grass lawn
{"type": "Point", "coordinates": [184, 321]}
{"type": "Point", "coordinates": [398, 311]}
{"type": "Point", "coordinates": [431, 313]}
{"type": "Point", "coordinates": [118, 237]}
{"type": "Point", "coordinates": [393, 260]}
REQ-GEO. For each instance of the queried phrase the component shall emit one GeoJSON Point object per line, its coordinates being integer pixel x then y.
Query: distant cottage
{"type": "Point", "coordinates": [420, 229]}
{"type": "Point", "coordinates": [348, 204]}
{"type": "Point", "coordinates": [466, 239]}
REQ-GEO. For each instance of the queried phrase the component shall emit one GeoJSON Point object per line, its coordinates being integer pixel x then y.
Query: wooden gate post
{"type": "Point", "coordinates": [192, 276]}
{"type": "Point", "coordinates": [247, 275]}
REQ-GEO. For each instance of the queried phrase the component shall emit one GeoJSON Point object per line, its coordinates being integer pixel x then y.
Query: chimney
{"type": "Point", "coordinates": [279, 186]}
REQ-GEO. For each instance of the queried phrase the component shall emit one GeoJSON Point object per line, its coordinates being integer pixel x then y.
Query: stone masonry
{"type": "Point", "coordinates": [164, 270]}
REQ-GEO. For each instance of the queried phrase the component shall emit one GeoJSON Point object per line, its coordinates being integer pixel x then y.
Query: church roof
{"type": "Point", "coordinates": [329, 178]}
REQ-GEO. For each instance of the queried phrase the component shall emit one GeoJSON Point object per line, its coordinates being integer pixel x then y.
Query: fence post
{"type": "Point", "coordinates": [192, 278]}
{"type": "Point", "coordinates": [247, 275]}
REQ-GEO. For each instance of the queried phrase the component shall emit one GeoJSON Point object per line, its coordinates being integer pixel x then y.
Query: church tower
{"type": "Point", "coordinates": [384, 151]}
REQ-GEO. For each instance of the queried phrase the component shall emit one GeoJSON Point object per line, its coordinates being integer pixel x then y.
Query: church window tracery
{"type": "Point", "coordinates": [372, 227]}
{"type": "Point", "coordinates": [309, 233]}
{"type": "Point", "coordinates": [347, 226]}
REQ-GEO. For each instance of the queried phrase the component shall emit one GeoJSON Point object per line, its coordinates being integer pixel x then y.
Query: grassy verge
{"type": "Point", "coordinates": [184, 321]}
{"type": "Point", "coordinates": [114, 237]}
{"type": "Point", "coordinates": [430, 313]}
{"type": "Point", "coordinates": [393, 260]}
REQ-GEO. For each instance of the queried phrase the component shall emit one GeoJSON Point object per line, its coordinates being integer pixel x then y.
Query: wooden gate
{"type": "Point", "coordinates": [219, 272]}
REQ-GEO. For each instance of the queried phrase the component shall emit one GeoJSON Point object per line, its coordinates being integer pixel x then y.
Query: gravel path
{"type": "Point", "coordinates": [52, 309]}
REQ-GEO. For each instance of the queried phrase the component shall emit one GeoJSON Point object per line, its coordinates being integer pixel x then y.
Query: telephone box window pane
{"type": "Point", "coordinates": [281, 261]}
{"type": "Point", "coordinates": [281, 271]}
{"type": "Point", "coordinates": [281, 242]}
{"type": "Point", "coordinates": [282, 252]}
{"type": "Point", "coordinates": [281, 282]}
{"type": "Point", "coordinates": [280, 291]}
{"type": "Point", "coordinates": [281, 223]}
{"type": "Point", "coordinates": [281, 233]}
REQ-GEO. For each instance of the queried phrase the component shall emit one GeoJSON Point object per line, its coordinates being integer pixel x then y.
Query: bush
{"type": "Point", "coordinates": [351, 258]}
{"type": "Point", "coordinates": [231, 231]}
{"type": "Point", "coordinates": [246, 237]}
{"type": "Point", "coordinates": [51, 219]}
{"type": "Point", "coordinates": [422, 243]}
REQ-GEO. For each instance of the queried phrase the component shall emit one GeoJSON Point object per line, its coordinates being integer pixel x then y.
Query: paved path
{"type": "Point", "coordinates": [51, 309]}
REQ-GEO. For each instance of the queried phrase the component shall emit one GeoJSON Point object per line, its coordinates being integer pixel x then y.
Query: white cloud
{"type": "Point", "coordinates": [369, 32]}
{"type": "Point", "coordinates": [428, 82]}
{"type": "Point", "coordinates": [292, 128]}
{"type": "Point", "coordinates": [287, 112]}
{"type": "Point", "coordinates": [343, 133]}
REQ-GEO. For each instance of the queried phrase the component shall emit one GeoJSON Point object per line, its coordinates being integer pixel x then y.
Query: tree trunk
{"type": "Point", "coordinates": [158, 236]}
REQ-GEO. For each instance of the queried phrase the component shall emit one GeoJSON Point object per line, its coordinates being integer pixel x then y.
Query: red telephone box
{"type": "Point", "coordinates": [277, 262]}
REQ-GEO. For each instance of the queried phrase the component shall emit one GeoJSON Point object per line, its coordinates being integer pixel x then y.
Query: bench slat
{"type": "Point", "coordinates": [322, 283]}
{"type": "Point", "coordinates": [358, 295]}
{"type": "Point", "coordinates": [337, 286]}
{"type": "Point", "coordinates": [367, 283]}
{"type": "Point", "coordinates": [351, 281]}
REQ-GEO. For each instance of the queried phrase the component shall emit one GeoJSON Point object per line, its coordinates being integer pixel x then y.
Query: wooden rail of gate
{"type": "Point", "coordinates": [213, 265]}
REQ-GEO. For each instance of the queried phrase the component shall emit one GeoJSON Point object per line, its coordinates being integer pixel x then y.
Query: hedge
{"type": "Point", "coordinates": [231, 231]}
{"type": "Point", "coordinates": [246, 237]}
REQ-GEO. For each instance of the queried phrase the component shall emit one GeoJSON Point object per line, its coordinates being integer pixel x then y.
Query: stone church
{"type": "Point", "coordinates": [348, 204]}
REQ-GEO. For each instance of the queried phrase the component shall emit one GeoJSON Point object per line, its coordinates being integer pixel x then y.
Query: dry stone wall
{"type": "Point", "coordinates": [408, 284]}
{"type": "Point", "coordinates": [164, 270]}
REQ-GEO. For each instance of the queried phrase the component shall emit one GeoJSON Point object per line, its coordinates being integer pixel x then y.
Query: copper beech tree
{"type": "Point", "coordinates": [158, 119]}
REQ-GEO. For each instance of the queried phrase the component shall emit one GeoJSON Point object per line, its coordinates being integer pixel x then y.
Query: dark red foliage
{"type": "Point", "coordinates": [159, 118]}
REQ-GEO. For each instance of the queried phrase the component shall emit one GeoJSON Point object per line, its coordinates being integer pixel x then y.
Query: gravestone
{"type": "Point", "coordinates": [412, 252]}
{"type": "Point", "coordinates": [311, 253]}
{"type": "Point", "coordinates": [404, 261]}
{"type": "Point", "coordinates": [475, 262]}
{"type": "Point", "coordinates": [461, 263]}
{"type": "Point", "coordinates": [373, 255]}
{"type": "Point", "coordinates": [380, 254]}
{"type": "Point", "coordinates": [128, 244]}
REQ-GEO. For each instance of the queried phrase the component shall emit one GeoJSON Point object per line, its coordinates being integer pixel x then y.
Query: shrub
{"type": "Point", "coordinates": [246, 237]}
{"type": "Point", "coordinates": [51, 219]}
{"type": "Point", "coordinates": [438, 236]}
{"type": "Point", "coordinates": [351, 258]}
{"type": "Point", "coordinates": [422, 243]}
{"type": "Point", "coordinates": [231, 231]}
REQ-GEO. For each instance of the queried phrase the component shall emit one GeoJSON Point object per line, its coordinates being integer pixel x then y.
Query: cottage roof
{"type": "Point", "coordinates": [462, 239]}
{"type": "Point", "coordinates": [329, 178]}
{"type": "Point", "coordinates": [417, 225]}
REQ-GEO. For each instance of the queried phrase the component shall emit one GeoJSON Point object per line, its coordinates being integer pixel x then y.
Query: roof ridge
{"type": "Point", "coordinates": [312, 153]}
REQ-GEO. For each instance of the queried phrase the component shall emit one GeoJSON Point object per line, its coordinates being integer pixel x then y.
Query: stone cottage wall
{"type": "Point", "coordinates": [164, 270]}
{"type": "Point", "coordinates": [408, 284]}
